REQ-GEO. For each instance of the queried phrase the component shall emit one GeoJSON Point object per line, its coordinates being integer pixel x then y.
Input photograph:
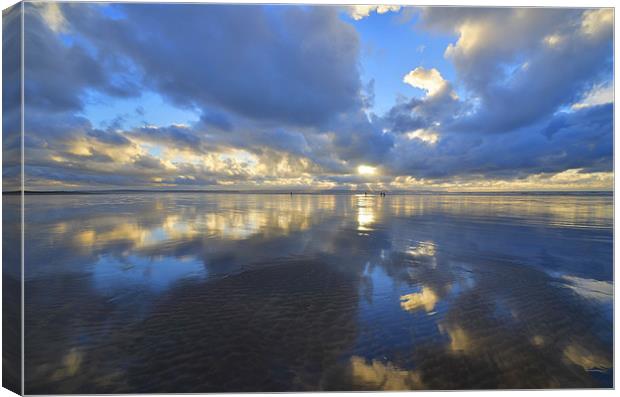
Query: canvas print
{"type": "Point", "coordinates": [209, 198]}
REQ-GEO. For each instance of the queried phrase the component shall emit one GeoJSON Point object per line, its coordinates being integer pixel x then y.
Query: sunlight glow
{"type": "Point", "coordinates": [366, 170]}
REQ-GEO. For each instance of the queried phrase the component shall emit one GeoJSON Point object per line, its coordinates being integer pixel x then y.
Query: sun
{"type": "Point", "coordinates": [366, 170]}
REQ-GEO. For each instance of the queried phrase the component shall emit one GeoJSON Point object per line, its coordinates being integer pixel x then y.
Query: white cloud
{"type": "Point", "coordinates": [429, 80]}
{"type": "Point", "coordinates": [427, 136]}
{"type": "Point", "coordinates": [359, 12]}
{"type": "Point", "coordinates": [553, 40]}
{"type": "Point", "coordinates": [596, 22]}
{"type": "Point", "coordinates": [471, 37]}
{"type": "Point", "coordinates": [493, 43]}
{"type": "Point", "coordinates": [598, 95]}
{"type": "Point", "coordinates": [52, 15]}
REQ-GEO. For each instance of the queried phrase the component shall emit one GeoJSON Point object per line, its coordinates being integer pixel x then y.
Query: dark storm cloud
{"type": "Point", "coordinates": [109, 137]}
{"type": "Point", "coordinates": [357, 140]}
{"type": "Point", "coordinates": [581, 139]}
{"type": "Point", "coordinates": [80, 176]}
{"type": "Point", "coordinates": [409, 115]}
{"type": "Point", "coordinates": [402, 117]}
{"type": "Point", "coordinates": [296, 65]}
{"type": "Point", "coordinates": [216, 119]}
{"type": "Point", "coordinates": [173, 136]}
{"type": "Point", "coordinates": [11, 104]}
{"type": "Point", "coordinates": [58, 75]}
{"type": "Point", "coordinates": [279, 88]}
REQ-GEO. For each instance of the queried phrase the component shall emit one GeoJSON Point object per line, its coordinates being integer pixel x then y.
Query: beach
{"type": "Point", "coordinates": [200, 292]}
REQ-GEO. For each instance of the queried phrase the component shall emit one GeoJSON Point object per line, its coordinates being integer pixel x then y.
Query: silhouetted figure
{"type": "Point", "coordinates": [365, 194]}
{"type": "Point", "coordinates": [291, 193]}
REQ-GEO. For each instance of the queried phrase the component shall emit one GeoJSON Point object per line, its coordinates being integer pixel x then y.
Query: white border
{"type": "Point", "coordinates": [485, 3]}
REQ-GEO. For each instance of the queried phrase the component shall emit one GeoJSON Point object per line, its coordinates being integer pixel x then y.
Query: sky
{"type": "Point", "coordinates": [195, 96]}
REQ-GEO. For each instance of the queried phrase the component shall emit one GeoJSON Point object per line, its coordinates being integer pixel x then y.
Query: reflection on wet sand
{"type": "Point", "coordinates": [425, 299]}
{"type": "Point", "coordinates": [70, 365]}
{"type": "Point", "coordinates": [203, 293]}
{"type": "Point", "coordinates": [379, 376]}
{"type": "Point", "coordinates": [584, 358]}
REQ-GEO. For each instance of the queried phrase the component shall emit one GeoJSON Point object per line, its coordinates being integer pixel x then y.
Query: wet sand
{"type": "Point", "coordinates": [205, 293]}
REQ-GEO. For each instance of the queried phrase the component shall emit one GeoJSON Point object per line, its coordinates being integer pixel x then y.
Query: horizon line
{"type": "Point", "coordinates": [305, 192]}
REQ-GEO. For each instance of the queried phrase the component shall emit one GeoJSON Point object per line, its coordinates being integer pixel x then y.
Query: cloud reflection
{"type": "Point", "coordinates": [591, 289]}
{"type": "Point", "coordinates": [426, 299]}
{"type": "Point", "coordinates": [384, 376]}
{"type": "Point", "coordinates": [291, 287]}
{"type": "Point", "coordinates": [586, 359]}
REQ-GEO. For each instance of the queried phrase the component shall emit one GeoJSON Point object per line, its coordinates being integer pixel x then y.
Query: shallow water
{"type": "Point", "coordinates": [203, 292]}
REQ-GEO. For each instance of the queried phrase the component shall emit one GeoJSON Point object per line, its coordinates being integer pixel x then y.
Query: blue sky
{"type": "Point", "coordinates": [391, 47]}
{"type": "Point", "coordinates": [317, 97]}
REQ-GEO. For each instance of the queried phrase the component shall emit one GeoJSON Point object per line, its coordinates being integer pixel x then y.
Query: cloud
{"type": "Point", "coordinates": [11, 104]}
{"type": "Point", "coordinates": [59, 74]}
{"type": "Point", "coordinates": [355, 139]}
{"type": "Point", "coordinates": [600, 94]}
{"type": "Point", "coordinates": [429, 80]}
{"type": "Point", "coordinates": [246, 60]}
{"type": "Point", "coordinates": [359, 12]}
{"type": "Point", "coordinates": [287, 106]}
{"type": "Point", "coordinates": [427, 136]}
{"type": "Point", "coordinates": [580, 139]}
{"type": "Point", "coordinates": [504, 59]}
{"type": "Point", "coordinates": [216, 119]}
{"type": "Point", "coordinates": [442, 107]}
{"type": "Point", "coordinates": [52, 16]}
{"type": "Point", "coordinates": [597, 22]}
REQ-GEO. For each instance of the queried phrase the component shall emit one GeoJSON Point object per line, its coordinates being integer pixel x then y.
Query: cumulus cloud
{"type": "Point", "coordinates": [287, 106]}
{"type": "Point", "coordinates": [429, 80]}
{"type": "Point", "coordinates": [247, 60]}
{"type": "Point", "coordinates": [359, 12]}
{"type": "Point", "coordinates": [59, 75]}
{"type": "Point", "coordinates": [554, 145]}
{"type": "Point", "coordinates": [504, 59]}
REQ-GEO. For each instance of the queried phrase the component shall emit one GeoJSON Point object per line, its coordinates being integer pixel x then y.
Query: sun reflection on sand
{"type": "Point", "coordinates": [365, 218]}
{"type": "Point", "coordinates": [365, 212]}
